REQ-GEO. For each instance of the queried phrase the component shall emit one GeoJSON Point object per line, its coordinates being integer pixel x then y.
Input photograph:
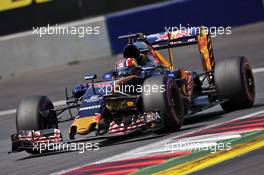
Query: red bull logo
{"type": "Point", "coordinates": [172, 35]}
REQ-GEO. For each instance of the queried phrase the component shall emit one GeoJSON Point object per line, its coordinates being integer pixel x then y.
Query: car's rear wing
{"type": "Point", "coordinates": [178, 38]}
{"type": "Point", "coordinates": [199, 35]}
{"type": "Point", "coordinates": [164, 39]}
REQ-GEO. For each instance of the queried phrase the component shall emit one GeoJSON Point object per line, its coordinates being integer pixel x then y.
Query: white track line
{"type": "Point", "coordinates": [59, 103]}
{"type": "Point", "coordinates": [258, 70]}
{"type": "Point", "coordinates": [13, 111]}
{"type": "Point", "coordinates": [8, 112]}
{"type": "Point", "coordinates": [149, 146]}
{"type": "Point", "coordinates": [62, 102]}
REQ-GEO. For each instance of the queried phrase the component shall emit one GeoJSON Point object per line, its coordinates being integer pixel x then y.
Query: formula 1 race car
{"type": "Point", "coordinates": [144, 92]}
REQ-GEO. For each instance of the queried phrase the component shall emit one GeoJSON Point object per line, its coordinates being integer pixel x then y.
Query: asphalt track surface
{"type": "Point", "coordinates": [246, 40]}
{"type": "Point", "coordinates": [250, 163]}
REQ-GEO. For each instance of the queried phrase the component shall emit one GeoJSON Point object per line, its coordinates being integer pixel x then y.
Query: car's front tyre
{"type": "Point", "coordinates": [167, 99]}
{"type": "Point", "coordinates": [34, 113]}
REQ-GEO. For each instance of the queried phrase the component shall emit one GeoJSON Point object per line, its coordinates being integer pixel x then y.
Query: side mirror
{"type": "Point", "coordinates": [108, 75]}
{"type": "Point", "coordinates": [90, 76]}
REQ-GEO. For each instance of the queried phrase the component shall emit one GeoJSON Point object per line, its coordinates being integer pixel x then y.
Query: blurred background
{"type": "Point", "coordinates": [18, 16]}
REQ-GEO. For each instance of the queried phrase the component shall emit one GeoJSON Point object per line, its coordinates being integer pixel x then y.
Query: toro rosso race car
{"type": "Point", "coordinates": [143, 93]}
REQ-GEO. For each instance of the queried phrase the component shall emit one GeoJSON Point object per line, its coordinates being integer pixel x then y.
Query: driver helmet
{"type": "Point", "coordinates": [126, 67]}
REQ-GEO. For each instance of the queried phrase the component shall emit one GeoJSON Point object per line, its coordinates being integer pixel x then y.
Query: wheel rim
{"type": "Point", "coordinates": [250, 82]}
{"type": "Point", "coordinates": [175, 103]}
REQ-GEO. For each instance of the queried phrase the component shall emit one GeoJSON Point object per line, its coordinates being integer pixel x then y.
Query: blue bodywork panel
{"type": "Point", "coordinates": [93, 99]}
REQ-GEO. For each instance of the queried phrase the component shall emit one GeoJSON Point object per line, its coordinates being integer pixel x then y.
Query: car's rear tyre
{"type": "Point", "coordinates": [34, 113]}
{"type": "Point", "coordinates": [234, 81]}
{"type": "Point", "coordinates": [167, 99]}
